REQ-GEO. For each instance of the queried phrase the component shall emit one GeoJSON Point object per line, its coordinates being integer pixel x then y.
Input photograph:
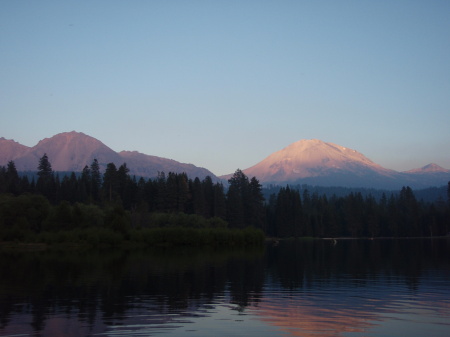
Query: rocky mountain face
{"type": "Point", "coordinates": [71, 151]}
{"type": "Point", "coordinates": [315, 162]}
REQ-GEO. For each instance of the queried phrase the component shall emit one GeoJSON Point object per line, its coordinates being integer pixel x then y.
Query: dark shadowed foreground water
{"type": "Point", "coordinates": [296, 288]}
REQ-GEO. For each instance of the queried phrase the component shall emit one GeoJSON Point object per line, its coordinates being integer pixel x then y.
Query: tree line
{"type": "Point", "coordinates": [116, 206]}
{"type": "Point", "coordinates": [241, 206]}
{"type": "Point", "coordinates": [289, 212]}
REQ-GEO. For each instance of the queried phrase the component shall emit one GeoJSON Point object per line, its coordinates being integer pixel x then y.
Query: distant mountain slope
{"type": "Point", "coordinates": [315, 162]}
{"type": "Point", "coordinates": [68, 151]}
{"type": "Point", "coordinates": [145, 165]}
{"type": "Point", "coordinates": [428, 175]}
{"type": "Point", "coordinates": [71, 151]}
{"type": "Point", "coordinates": [10, 150]}
{"type": "Point", "coordinates": [312, 162]}
{"type": "Point", "coordinates": [430, 168]}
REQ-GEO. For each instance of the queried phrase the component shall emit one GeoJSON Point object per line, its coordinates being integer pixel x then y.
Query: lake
{"type": "Point", "coordinates": [291, 288]}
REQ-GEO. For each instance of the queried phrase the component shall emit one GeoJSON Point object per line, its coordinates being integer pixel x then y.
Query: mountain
{"type": "Point", "coordinates": [429, 175]}
{"type": "Point", "coordinates": [311, 162]}
{"type": "Point", "coordinates": [71, 151]}
{"type": "Point", "coordinates": [145, 165]}
{"type": "Point", "coordinates": [10, 150]}
{"type": "Point", "coordinates": [68, 151]}
{"type": "Point", "coordinates": [315, 162]}
{"type": "Point", "coordinates": [430, 168]}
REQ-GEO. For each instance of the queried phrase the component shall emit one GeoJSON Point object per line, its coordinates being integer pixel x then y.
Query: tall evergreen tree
{"type": "Point", "coordinates": [255, 211]}
{"type": "Point", "coordinates": [236, 198]}
{"type": "Point", "coordinates": [46, 180]}
{"type": "Point", "coordinates": [198, 202]}
{"type": "Point", "coordinates": [96, 180]}
{"type": "Point", "coordinates": [288, 214]}
{"type": "Point", "coordinates": [220, 208]}
{"type": "Point", "coordinates": [161, 192]}
{"type": "Point", "coordinates": [85, 184]}
{"type": "Point", "coordinates": [182, 191]}
{"type": "Point", "coordinates": [12, 179]}
{"type": "Point", "coordinates": [44, 167]}
{"type": "Point", "coordinates": [124, 187]}
{"type": "Point", "coordinates": [171, 195]}
{"type": "Point", "coordinates": [409, 213]}
{"type": "Point", "coordinates": [110, 183]}
{"type": "Point", "coordinates": [208, 193]}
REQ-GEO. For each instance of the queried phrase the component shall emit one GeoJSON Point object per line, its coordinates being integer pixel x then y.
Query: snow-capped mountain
{"type": "Point", "coordinates": [320, 163]}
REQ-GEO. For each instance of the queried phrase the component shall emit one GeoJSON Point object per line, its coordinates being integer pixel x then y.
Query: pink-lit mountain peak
{"type": "Point", "coordinates": [65, 140]}
{"type": "Point", "coordinates": [72, 150]}
{"type": "Point", "coordinates": [309, 158]}
{"type": "Point", "coordinates": [315, 151]}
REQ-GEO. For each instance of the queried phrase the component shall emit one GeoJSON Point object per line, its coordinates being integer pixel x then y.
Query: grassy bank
{"type": "Point", "coordinates": [143, 237]}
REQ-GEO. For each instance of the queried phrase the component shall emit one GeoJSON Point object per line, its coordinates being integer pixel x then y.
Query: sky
{"type": "Point", "coordinates": [223, 84]}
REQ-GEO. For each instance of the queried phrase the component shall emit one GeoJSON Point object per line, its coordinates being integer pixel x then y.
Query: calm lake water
{"type": "Point", "coordinates": [296, 288]}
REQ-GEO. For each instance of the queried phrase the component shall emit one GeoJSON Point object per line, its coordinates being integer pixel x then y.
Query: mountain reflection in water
{"type": "Point", "coordinates": [297, 288]}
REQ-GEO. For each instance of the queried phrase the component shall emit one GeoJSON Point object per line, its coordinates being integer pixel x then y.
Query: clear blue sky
{"type": "Point", "coordinates": [223, 84]}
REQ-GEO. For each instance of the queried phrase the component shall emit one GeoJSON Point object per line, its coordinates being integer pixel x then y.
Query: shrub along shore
{"type": "Point", "coordinates": [32, 219]}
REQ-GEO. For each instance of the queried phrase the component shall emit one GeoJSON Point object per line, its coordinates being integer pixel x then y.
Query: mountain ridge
{"type": "Point", "coordinates": [307, 161]}
{"type": "Point", "coordinates": [72, 151]}
{"type": "Point", "coordinates": [432, 167]}
{"type": "Point", "coordinates": [315, 162]}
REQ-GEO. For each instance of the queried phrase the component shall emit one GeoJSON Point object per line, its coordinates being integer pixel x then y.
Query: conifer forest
{"type": "Point", "coordinates": [113, 207]}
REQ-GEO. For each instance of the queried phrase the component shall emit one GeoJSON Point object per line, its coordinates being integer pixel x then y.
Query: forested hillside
{"type": "Point", "coordinates": [121, 203]}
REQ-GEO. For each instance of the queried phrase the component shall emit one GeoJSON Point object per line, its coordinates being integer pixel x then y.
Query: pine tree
{"type": "Point", "coordinates": [220, 208]}
{"type": "Point", "coordinates": [408, 211]}
{"type": "Point", "coordinates": [44, 167]}
{"type": "Point", "coordinates": [110, 183]}
{"type": "Point", "coordinates": [96, 180]}
{"type": "Point", "coordinates": [208, 193]}
{"type": "Point", "coordinates": [182, 192]}
{"type": "Point", "coordinates": [255, 211]}
{"type": "Point", "coordinates": [124, 187]}
{"type": "Point", "coordinates": [236, 198]}
{"type": "Point", "coordinates": [85, 184]}
{"type": "Point", "coordinates": [46, 181]}
{"type": "Point", "coordinates": [198, 203]}
{"type": "Point", "coordinates": [12, 179]}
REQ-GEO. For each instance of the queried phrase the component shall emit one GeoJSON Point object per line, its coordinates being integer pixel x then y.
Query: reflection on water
{"type": "Point", "coordinates": [297, 288]}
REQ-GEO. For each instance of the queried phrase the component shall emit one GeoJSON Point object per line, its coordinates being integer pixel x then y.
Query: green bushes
{"type": "Point", "coordinates": [90, 236]}
{"type": "Point", "coordinates": [181, 236]}
{"type": "Point", "coordinates": [21, 215]}
{"type": "Point", "coordinates": [150, 237]}
{"type": "Point", "coordinates": [31, 218]}
{"type": "Point", "coordinates": [183, 220]}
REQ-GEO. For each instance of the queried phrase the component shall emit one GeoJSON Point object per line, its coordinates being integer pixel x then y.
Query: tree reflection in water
{"type": "Point", "coordinates": [98, 288]}
{"type": "Point", "coordinates": [301, 288]}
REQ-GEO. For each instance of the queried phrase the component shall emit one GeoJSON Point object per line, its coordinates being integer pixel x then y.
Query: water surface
{"type": "Point", "coordinates": [293, 288]}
